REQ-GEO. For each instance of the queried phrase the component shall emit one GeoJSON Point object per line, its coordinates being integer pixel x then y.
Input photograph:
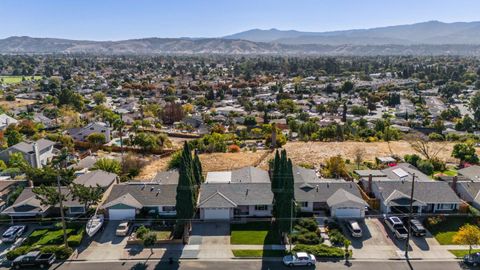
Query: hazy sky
{"type": "Point", "coordinates": [123, 19]}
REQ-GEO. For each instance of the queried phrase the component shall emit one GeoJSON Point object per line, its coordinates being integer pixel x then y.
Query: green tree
{"type": "Point", "coordinates": [99, 98]}
{"type": "Point", "coordinates": [13, 137]}
{"type": "Point", "coordinates": [465, 152]}
{"type": "Point", "coordinates": [108, 165]}
{"type": "Point", "coordinates": [96, 138]}
{"type": "Point", "coordinates": [335, 167]}
{"type": "Point", "coordinates": [467, 235]}
{"type": "Point", "coordinates": [475, 106]}
{"type": "Point", "coordinates": [86, 195]}
{"type": "Point", "coordinates": [146, 141]}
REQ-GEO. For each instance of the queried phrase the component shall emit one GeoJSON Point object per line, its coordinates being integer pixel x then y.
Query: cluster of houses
{"type": "Point", "coordinates": [246, 193]}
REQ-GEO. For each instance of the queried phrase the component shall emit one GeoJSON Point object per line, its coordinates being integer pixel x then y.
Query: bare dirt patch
{"type": "Point", "coordinates": [316, 153]}
{"type": "Point", "coordinates": [210, 162]}
{"type": "Point", "coordinates": [10, 105]}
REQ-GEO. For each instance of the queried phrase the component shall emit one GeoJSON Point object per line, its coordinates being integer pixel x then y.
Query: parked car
{"type": "Point", "coordinates": [122, 229]}
{"type": "Point", "coordinates": [34, 259]}
{"type": "Point", "coordinates": [354, 228]}
{"type": "Point", "coordinates": [299, 259]}
{"type": "Point", "coordinates": [395, 225]}
{"type": "Point", "coordinates": [472, 259]}
{"type": "Point", "coordinates": [13, 233]}
{"type": "Point", "coordinates": [416, 227]}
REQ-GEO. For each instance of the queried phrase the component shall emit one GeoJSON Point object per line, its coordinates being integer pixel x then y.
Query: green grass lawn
{"type": "Point", "coordinates": [448, 172]}
{"type": "Point", "coordinates": [444, 231]}
{"type": "Point", "coordinates": [254, 233]}
{"type": "Point", "coordinates": [17, 79]}
{"type": "Point", "coordinates": [258, 253]}
{"type": "Point", "coordinates": [459, 253]}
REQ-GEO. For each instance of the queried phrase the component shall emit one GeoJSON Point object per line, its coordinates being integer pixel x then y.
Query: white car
{"type": "Point", "coordinates": [13, 233]}
{"type": "Point", "coordinates": [354, 228]}
{"type": "Point", "coordinates": [122, 229]}
{"type": "Point", "coordinates": [299, 259]}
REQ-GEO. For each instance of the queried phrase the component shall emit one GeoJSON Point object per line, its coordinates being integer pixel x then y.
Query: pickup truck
{"type": "Point", "coordinates": [395, 225]}
{"type": "Point", "coordinates": [34, 259]}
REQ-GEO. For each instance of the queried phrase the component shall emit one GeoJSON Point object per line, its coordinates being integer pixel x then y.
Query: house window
{"type": "Point", "coordinates": [77, 210]}
{"type": "Point", "coordinates": [445, 206]}
{"type": "Point", "coordinates": [168, 208]}
{"type": "Point", "coordinates": [261, 207]}
{"type": "Point", "coordinates": [303, 204]}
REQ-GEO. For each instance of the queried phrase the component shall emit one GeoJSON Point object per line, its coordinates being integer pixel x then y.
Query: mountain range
{"type": "Point", "coordinates": [427, 38]}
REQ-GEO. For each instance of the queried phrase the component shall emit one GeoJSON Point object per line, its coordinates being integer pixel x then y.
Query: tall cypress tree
{"type": "Point", "coordinates": [197, 169]}
{"type": "Point", "coordinates": [185, 199]}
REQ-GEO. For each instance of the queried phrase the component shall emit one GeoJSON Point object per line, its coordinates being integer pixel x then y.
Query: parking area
{"type": "Point", "coordinates": [212, 240]}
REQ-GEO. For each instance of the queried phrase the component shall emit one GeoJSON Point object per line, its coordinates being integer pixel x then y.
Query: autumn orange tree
{"type": "Point", "coordinates": [467, 235]}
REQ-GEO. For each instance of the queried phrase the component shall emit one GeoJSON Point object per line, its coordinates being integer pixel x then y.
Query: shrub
{"type": "Point", "coordinates": [438, 165]}
{"type": "Point", "coordinates": [436, 136]}
{"type": "Point", "coordinates": [425, 166]}
{"type": "Point", "coordinates": [307, 238]}
{"type": "Point", "coordinates": [142, 231]}
{"type": "Point", "coordinates": [321, 250]}
{"type": "Point", "coordinates": [75, 240]}
{"type": "Point", "coordinates": [308, 223]}
{"type": "Point", "coordinates": [233, 148]}
{"type": "Point", "coordinates": [412, 159]}
{"type": "Point", "coordinates": [149, 239]}
{"type": "Point", "coordinates": [174, 162]}
{"type": "Point", "coordinates": [336, 237]}
{"type": "Point", "coordinates": [61, 252]}
{"type": "Point", "coordinates": [14, 253]}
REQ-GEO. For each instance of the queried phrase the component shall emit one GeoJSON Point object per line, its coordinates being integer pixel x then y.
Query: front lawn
{"type": "Point", "coordinates": [459, 253]}
{"type": "Point", "coordinates": [254, 233]}
{"type": "Point", "coordinates": [162, 235]}
{"type": "Point", "coordinates": [445, 229]}
{"type": "Point", "coordinates": [257, 253]}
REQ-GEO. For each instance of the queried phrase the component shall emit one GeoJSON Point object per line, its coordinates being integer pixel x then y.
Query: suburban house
{"type": "Point", "coordinates": [245, 192]}
{"type": "Point", "coordinates": [471, 173]}
{"type": "Point", "coordinates": [158, 197]}
{"type": "Point", "coordinates": [428, 197]}
{"type": "Point", "coordinates": [6, 120]}
{"type": "Point", "coordinates": [81, 134]}
{"type": "Point", "coordinates": [28, 205]}
{"type": "Point", "coordinates": [468, 191]}
{"type": "Point", "coordinates": [401, 171]}
{"type": "Point", "coordinates": [37, 153]}
{"type": "Point", "coordinates": [127, 200]}
{"type": "Point", "coordinates": [6, 188]}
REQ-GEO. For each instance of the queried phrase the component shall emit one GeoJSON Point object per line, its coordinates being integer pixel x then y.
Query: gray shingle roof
{"type": "Point", "coordinates": [94, 178]}
{"type": "Point", "coordinates": [428, 192]}
{"type": "Point", "coordinates": [473, 188]}
{"type": "Point", "coordinates": [322, 191]}
{"type": "Point", "coordinates": [148, 194]}
{"type": "Point", "coordinates": [250, 175]}
{"type": "Point", "coordinates": [472, 172]}
{"type": "Point", "coordinates": [27, 147]}
{"type": "Point", "coordinates": [303, 175]}
{"type": "Point", "coordinates": [409, 169]}
{"type": "Point", "coordinates": [342, 196]}
{"type": "Point", "coordinates": [238, 193]}
{"type": "Point", "coordinates": [168, 177]}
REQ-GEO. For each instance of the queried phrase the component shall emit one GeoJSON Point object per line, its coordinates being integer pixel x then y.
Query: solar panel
{"type": "Point", "coordinates": [400, 173]}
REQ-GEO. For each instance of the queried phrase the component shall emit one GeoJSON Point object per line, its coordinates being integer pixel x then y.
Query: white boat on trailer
{"type": "Point", "coordinates": [94, 224]}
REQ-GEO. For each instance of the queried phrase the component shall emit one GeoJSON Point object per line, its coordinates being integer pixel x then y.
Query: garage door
{"type": "Point", "coordinates": [217, 213]}
{"type": "Point", "coordinates": [348, 213]}
{"type": "Point", "coordinates": [121, 214]}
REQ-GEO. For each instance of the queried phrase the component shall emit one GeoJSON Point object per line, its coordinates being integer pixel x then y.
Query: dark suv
{"type": "Point", "coordinates": [417, 228]}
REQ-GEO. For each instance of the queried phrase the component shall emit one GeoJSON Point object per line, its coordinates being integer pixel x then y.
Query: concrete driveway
{"type": "Point", "coordinates": [212, 239]}
{"type": "Point", "coordinates": [374, 243]}
{"type": "Point", "coordinates": [105, 245]}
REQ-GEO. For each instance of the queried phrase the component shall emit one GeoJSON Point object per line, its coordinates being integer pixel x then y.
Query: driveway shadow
{"type": "Point", "coordinates": [420, 242]}
{"type": "Point", "coordinates": [356, 242]}
{"type": "Point", "coordinates": [399, 243]}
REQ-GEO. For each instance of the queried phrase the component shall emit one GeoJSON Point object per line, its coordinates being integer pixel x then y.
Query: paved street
{"type": "Point", "coordinates": [260, 265]}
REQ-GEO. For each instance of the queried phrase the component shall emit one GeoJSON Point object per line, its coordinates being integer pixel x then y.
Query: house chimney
{"type": "Point", "coordinates": [454, 183]}
{"type": "Point", "coordinates": [36, 154]}
{"type": "Point", "coordinates": [370, 183]}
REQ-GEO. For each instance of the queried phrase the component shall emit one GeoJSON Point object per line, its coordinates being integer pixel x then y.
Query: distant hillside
{"type": "Point", "coordinates": [432, 32]}
{"type": "Point", "coordinates": [22, 45]}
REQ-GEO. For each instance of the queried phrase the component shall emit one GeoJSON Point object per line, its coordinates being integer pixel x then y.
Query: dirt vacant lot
{"type": "Point", "coordinates": [10, 105]}
{"type": "Point", "coordinates": [316, 152]}
{"type": "Point", "coordinates": [210, 162]}
{"type": "Point", "coordinates": [313, 153]}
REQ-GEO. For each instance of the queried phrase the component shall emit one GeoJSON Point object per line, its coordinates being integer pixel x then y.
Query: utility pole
{"type": "Point", "coordinates": [410, 217]}
{"type": "Point", "coordinates": [62, 215]}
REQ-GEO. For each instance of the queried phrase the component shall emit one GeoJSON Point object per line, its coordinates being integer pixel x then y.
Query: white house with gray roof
{"type": "Point", "coordinates": [6, 120]}
{"type": "Point", "coordinates": [245, 192]}
{"type": "Point", "coordinates": [81, 134]}
{"type": "Point", "coordinates": [428, 197]}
